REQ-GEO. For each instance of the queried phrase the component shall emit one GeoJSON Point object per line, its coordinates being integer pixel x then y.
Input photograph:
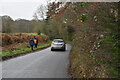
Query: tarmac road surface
{"type": "Point", "coordinates": [40, 64]}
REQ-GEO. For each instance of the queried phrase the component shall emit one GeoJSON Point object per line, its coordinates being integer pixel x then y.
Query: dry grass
{"type": "Point", "coordinates": [16, 38]}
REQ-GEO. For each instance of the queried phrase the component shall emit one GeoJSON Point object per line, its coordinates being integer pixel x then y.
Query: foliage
{"type": "Point", "coordinates": [21, 25]}
{"type": "Point", "coordinates": [83, 4]}
{"type": "Point", "coordinates": [31, 33]}
{"type": "Point", "coordinates": [23, 50]}
{"type": "Point", "coordinates": [12, 38]}
{"type": "Point", "coordinates": [83, 17]}
{"type": "Point", "coordinates": [70, 31]}
{"type": "Point", "coordinates": [8, 25]}
{"type": "Point", "coordinates": [97, 36]}
{"type": "Point", "coordinates": [39, 32]}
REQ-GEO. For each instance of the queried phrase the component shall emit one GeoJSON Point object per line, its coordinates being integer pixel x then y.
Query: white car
{"type": "Point", "coordinates": [58, 44]}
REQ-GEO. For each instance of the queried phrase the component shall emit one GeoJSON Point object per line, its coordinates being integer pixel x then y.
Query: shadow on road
{"type": "Point", "coordinates": [57, 50]}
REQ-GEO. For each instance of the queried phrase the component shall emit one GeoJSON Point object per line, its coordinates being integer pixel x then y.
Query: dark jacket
{"type": "Point", "coordinates": [31, 42]}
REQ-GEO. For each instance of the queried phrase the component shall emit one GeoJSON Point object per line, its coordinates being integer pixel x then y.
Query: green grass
{"type": "Point", "coordinates": [96, 59]}
{"type": "Point", "coordinates": [107, 40]}
{"type": "Point", "coordinates": [112, 69]}
{"type": "Point", "coordinates": [42, 34]}
{"type": "Point", "coordinates": [23, 50]}
{"type": "Point", "coordinates": [31, 33]}
{"type": "Point", "coordinates": [83, 4]}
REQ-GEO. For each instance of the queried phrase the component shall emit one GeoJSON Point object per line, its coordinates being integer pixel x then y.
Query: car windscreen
{"type": "Point", "coordinates": [58, 41]}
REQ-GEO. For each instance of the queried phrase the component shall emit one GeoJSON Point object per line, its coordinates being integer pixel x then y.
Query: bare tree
{"type": "Point", "coordinates": [41, 11]}
{"type": "Point", "coordinates": [35, 17]}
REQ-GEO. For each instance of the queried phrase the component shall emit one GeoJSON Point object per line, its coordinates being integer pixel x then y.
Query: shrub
{"type": "Point", "coordinates": [11, 38]}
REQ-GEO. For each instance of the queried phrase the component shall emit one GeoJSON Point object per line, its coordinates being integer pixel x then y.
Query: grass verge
{"type": "Point", "coordinates": [42, 34]}
{"type": "Point", "coordinates": [31, 33]}
{"type": "Point", "coordinates": [10, 54]}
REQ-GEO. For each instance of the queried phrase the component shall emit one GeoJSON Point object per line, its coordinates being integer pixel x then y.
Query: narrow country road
{"type": "Point", "coordinates": [41, 64]}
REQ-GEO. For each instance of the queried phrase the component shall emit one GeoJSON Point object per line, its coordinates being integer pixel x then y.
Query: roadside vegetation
{"type": "Point", "coordinates": [42, 34]}
{"type": "Point", "coordinates": [14, 38]}
{"type": "Point", "coordinates": [24, 50]}
{"type": "Point", "coordinates": [91, 28]}
{"type": "Point", "coordinates": [17, 43]}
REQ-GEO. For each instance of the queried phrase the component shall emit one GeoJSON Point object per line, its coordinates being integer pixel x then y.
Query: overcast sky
{"type": "Point", "coordinates": [20, 9]}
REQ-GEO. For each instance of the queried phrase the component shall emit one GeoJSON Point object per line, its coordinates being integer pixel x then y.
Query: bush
{"type": "Point", "coordinates": [11, 38]}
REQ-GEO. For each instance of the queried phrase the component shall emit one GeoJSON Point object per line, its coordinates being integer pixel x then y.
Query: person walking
{"type": "Point", "coordinates": [35, 42]}
{"type": "Point", "coordinates": [31, 42]}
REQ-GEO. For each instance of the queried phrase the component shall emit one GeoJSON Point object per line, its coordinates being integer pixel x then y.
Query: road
{"type": "Point", "coordinates": [40, 64]}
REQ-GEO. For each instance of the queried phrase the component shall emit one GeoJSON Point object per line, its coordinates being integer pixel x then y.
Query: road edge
{"type": "Point", "coordinates": [4, 58]}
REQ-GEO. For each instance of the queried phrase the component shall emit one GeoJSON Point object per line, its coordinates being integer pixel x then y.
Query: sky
{"type": "Point", "coordinates": [23, 9]}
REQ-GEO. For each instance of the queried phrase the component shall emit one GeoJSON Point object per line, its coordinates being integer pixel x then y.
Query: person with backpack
{"type": "Point", "coordinates": [31, 42]}
{"type": "Point", "coordinates": [35, 42]}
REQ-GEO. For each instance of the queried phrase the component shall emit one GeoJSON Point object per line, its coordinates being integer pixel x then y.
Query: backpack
{"type": "Point", "coordinates": [35, 41]}
{"type": "Point", "coordinates": [31, 42]}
